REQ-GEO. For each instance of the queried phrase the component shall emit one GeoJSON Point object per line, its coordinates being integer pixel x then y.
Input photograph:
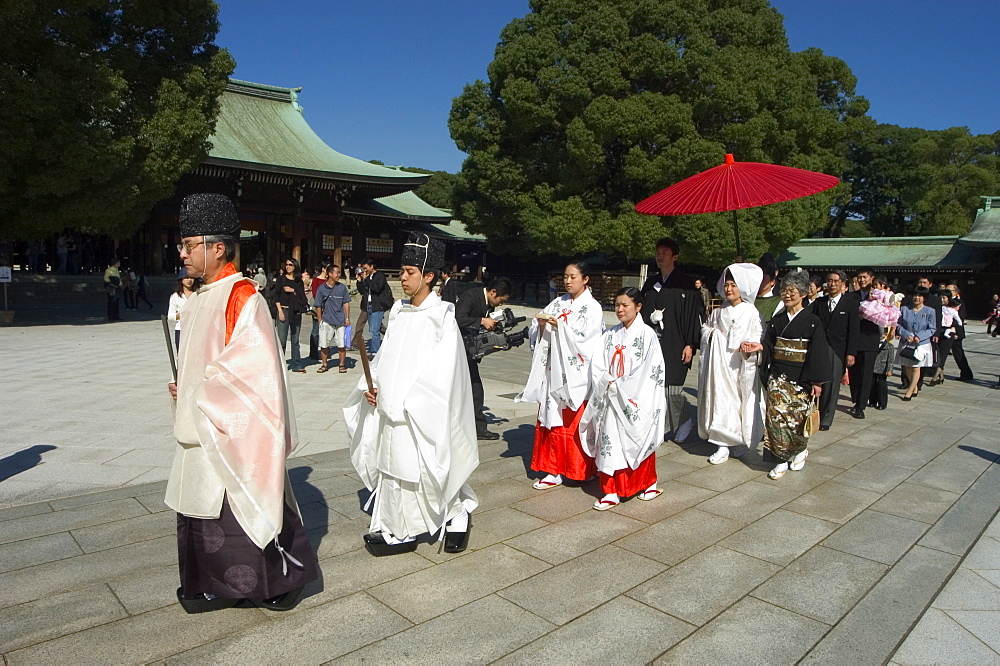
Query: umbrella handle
{"type": "Point", "coordinates": [736, 230]}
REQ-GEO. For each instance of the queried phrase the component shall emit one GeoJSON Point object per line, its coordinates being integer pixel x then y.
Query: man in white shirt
{"type": "Point", "coordinates": [838, 310]}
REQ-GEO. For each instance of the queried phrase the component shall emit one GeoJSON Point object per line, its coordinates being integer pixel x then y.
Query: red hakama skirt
{"type": "Point", "coordinates": [627, 482]}
{"type": "Point", "coordinates": [558, 450]}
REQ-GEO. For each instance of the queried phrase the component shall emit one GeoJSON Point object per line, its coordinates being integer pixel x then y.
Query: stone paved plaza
{"type": "Point", "coordinates": [880, 550]}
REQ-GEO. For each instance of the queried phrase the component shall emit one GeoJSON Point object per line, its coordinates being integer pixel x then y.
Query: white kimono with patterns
{"type": "Point", "coordinates": [417, 449]}
{"type": "Point", "coordinates": [234, 421]}
{"type": "Point", "coordinates": [624, 420]}
{"type": "Point", "coordinates": [560, 361]}
{"type": "Point", "coordinates": [729, 400]}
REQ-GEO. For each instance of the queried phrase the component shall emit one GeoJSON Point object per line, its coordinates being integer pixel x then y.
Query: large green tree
{"type": "Point", "coordinates": [106, 103]}
{"type": "Point", "coordinates": [593, 105]}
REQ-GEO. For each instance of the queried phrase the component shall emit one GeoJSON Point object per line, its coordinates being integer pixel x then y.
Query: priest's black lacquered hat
{"type": "Point", "coordinates": [208, 215]}
{"type": "Point", "coordinates": [423, 251]}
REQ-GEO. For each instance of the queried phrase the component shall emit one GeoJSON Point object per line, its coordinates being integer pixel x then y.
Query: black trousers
{"type": "Point", "coordinates": [862, 376]}
{"type": "Point", "coordinates": [880, 392]}
{"type": "Point", "coordinates": [478, 396]}
{"type": "Point", "coordinates": [964, 370]}
{"type": "Point", "coordinates": [114, 307]}
{"type": "Point", "coordinates": [830, 395]}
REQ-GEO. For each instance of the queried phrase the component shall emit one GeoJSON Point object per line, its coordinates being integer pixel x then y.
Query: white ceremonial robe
{"type": "Point", "coordinates": [561, 357]}
{"type": "Point", "coordinates": [234, 421]}
{"type": "Point", "coordinates": [624, 420]}
{"type": "Point", "coordinates": [729, 400]}
{"type": "Point", "coordinates": [417, 449]}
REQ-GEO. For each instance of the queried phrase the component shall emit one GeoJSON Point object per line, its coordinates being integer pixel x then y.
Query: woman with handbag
{"type": "Point", "coordinates": [798, 362]}
{"type": "Point", "coordinates": [917, 324]}
{"type": "Point", "coordinates": [288, 303]}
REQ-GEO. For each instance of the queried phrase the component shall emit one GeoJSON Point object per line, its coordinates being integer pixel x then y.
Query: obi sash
{"type": "Point", "coordinates": [791, 350]}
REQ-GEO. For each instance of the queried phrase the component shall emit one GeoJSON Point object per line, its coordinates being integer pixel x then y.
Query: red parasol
{"type": "Point", "coordinates": [735, 185]}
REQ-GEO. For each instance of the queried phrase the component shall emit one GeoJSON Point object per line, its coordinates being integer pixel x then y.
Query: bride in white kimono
{"type": "Point", "coordinates": [729, 413]}
{"type": "Point", "coordinates": [622, 424]}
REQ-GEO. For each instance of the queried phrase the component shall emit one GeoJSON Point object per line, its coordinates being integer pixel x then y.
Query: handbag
{"type": "Point", "coordinates": [811, 424]}
{"type": "Point", "coordinates": [908, 351]}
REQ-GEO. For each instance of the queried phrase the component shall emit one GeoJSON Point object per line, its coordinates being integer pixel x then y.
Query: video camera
{"type": "Point", "coordinates": [484, 341]}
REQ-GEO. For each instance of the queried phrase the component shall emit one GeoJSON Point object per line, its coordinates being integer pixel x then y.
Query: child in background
{"type": "Point", "coordinates": [882, 306]}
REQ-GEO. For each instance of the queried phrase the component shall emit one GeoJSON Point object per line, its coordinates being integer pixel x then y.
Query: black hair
{"type": "Point", "coordinates": [869, 271]}
{"type": "Point", "coordinates": [179, 289]}
{"type": "Point", "coordinates": [368, 261]}
{"type": "Point", "coordinates": [632, 293]}
{"type": "Point", "coordinates": [881, 278]}
{"type": "Point", "coordinates": [817, 280]}
{"type": "Point", "coordinates": [669, 243]}
{"type": "Point", "coordinates": [296, 268]}
{"type": "Point", "coordinates": [501, 285]}
{"type": "Point", "coordinates": [728, 277]}
{"type": "Point", "coordinates": [923, 292]}
{"type": "Point", "coordinates": [581, 266]}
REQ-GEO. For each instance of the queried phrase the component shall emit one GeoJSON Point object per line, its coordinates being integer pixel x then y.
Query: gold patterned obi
{"type": "Point", "coordinates": [791, 350]}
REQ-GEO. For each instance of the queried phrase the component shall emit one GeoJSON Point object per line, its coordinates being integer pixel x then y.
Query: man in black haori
{"type": "Point", "coordinates": [673, 307]}
{"type": "Point", "coordinates": [239, 533]}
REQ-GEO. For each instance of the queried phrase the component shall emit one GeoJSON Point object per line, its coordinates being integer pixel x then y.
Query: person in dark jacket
{"type": "Point", "coordinates": [957, 348]}
{"type": "Point", "coordinates": [838, 312]}
{"type": "Point", "coordinates": [376, 300]}
{"type": "Point", "coordinates": [288, 302]}
{"type": "Point", "coordinates": [674, 309]}
{"type": "Point", "coordinates": [797, 362]}
{"type": "Point", "coordinates": [472, 315]}
{"type": "Point", "coordinates": [449, 288]}
{"type": "Point", "coordinates": [862, 373]}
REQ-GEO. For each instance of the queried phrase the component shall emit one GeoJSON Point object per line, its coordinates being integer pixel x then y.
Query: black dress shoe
{"type": "Point", "coordinates": [282, 602]}
{"type": "Point", "coordinates": [858, 413]}
{"type": "Point", "coordinates": [376, 545]}
{"type": "Point", "coordinates": [456, 542]}
{"type": "Point", "coordinates": [487, 435]}
{"type": "Point", "coordinates": [824, 427]}
{"type": "Point", "coordinates": [202, 604]}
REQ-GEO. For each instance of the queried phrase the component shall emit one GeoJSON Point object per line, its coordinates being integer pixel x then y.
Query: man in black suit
{"type": "Point", "coordinates": [472, 314]}
{"type": "Point", "coordinates": [957, 350]}
{"type": "Point", "coordinates": [862, 373]}
{"type": "Point", "coordinates": [838, 310]}
{"type": "Point", "coordinates": [376, 300]}
{"type": "Point", "coordinates": [449, 288]}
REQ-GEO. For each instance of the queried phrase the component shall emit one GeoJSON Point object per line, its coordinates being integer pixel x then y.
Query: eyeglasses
{"type": "Point", "coordinates": [790, 291]}
{"type": "Point", "coordinates": [187, 247]}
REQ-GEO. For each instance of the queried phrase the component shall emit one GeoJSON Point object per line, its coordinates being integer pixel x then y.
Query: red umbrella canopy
{"type": "Point", "coordinates": [735, 185]}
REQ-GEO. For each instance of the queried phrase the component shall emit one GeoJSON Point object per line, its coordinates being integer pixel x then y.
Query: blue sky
{"type": "Point", "coordinates": [378, 77]}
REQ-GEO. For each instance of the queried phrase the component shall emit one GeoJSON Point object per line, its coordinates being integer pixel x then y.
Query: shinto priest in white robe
{"type": "Point", "coordinates": [235, 426]}
{"type": "Point", "coordinates": [729, 401]}
{"type": "Point", "coordinates": [559, 380]}
{"type": "Point", "coordinates": [623, 423]}
{"type": "Point", "coordinates": [417, 449]}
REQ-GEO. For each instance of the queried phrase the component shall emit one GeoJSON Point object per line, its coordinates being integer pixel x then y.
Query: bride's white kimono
{"type": "Point", "coordinates": [729, 411]}
{"type": "Point", "coordinates": [624, 420]}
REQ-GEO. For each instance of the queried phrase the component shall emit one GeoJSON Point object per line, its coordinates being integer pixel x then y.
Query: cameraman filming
{"type": "Point", "coordinates": [471, 314]}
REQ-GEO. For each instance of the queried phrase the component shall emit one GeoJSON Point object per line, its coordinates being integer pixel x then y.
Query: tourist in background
{"type": "Point", "coordinates": [288, 302]}
{"type": "Point", "coordinates": [565, 337]}
{"type": "Point", "coordinates": [952, 330]}
{"type": "Point", "coordinates": [958, 347]}
{"type": "Point", "coordinates": [113, 287]}
{"type": "Point", "coordinates": [376, 300]}
{"type": "Point", "coordinates": [185, 288]}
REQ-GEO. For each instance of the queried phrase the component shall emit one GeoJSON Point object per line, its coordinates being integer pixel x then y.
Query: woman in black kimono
{"type": "Point", "coordinates": [797, 364]}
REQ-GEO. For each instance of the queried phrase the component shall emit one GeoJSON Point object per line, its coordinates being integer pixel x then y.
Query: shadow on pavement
{"type": "Point", "coordinates": [982, 453]}
{"type": "Point", "coordinates": [23, 460]}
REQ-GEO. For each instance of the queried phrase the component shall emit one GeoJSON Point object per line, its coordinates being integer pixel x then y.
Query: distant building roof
{"type": "Point", "coordinates": [887, 254]}
{"type": "Point", "coordinates": [261, 128]}
{"type": "Point", "coordinates": [403, 206]}
{"type": "Point", "coordinates": [454, 231]}
{"type": "Point", "coordinates": [985, 231]}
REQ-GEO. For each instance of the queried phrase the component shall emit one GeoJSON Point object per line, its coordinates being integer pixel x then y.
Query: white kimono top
{"type": "Point", "coordinates": [624, 420]}
{"type": "Point", "coordinates": [560, 362]}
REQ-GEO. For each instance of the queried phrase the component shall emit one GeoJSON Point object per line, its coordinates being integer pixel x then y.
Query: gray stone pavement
{"type": "Point", "coordinates": [876, 551]}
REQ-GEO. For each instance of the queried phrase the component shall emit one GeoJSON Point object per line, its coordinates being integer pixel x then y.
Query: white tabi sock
{"type": "Point", "coordinates": [459, 523]}
{"type": "Point", "coordinates": [392, 541]}
{"type": "Point", "coordinates": [611, 497]}
{"type": "Point", "coordinates": [553, 478]}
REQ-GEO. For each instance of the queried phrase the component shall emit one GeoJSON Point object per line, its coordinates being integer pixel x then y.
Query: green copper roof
{"type": "Point", "coordinates": [916, 252]}
{"type": "Point", "coordinates": [262, 127]}
{"type": "Point", "coordinates": [454, 230]}
{"type": "Point", "coordinates": [985, 231]}
{"type": "Point", "coordinates": [403, 206]}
